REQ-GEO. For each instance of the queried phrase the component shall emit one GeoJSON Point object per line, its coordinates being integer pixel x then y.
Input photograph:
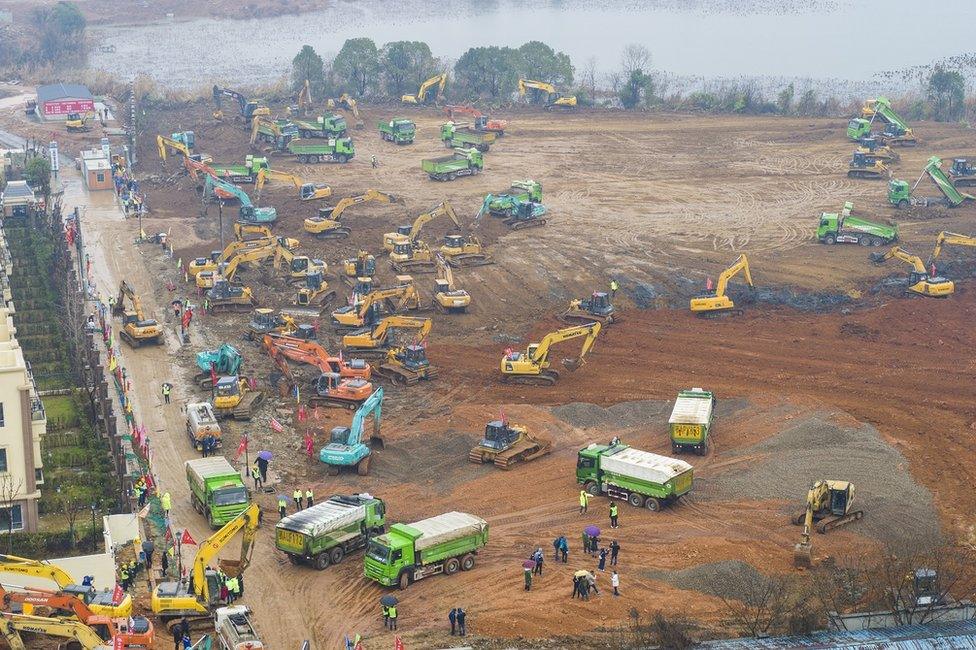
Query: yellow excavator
{"type": "Point", "coordinates": [218, 258]}
{"type": "Point", "coordinates": [303, 102]}
{"type": "Point", "coordinates": [828, 507]}
{"type": "Point", "coordinates": [949, 238]}
{"type": "Point", "coordinates": [361, 267]}
{"type": "Point", "coordinates": [413, 257]}
{"type": "Point", "coordinates": [173, 600]}
{"type": "Point", "coordinates": [347, 102]}
{"type": "Point", "coordinates": [78, 122]}
{"type": "Point", "coordinates": [206, 278]}
{"type": "Point", "coordinates": [554, 99]}
{"type": "Point", "coordinates": [306, 191]}
{"type": "Point", "coordinates": [532, 366]}
{"type": "Point", "coordinates": [409, 234]}
{"type": "Point", "coordinates": [298, 266]}
{"type": "Point", "coordinates": [375, 340]}
{"type": "Point", "coordinates": [137, 330]}
{"type": "Point", "coordinates": [82, 636]}
{"type": "Point", "coordinates": [715, 302]}
{"type": "Point", "coordinates": [327, 224]}
{"type": "Point", "coordinates": [164, 144]}
{"type": "Point", "coordinates": [100, 603]}
{"type": "Point", "coordinates": [438, 81]}
{"type": "Point", "coordinates": [393, 300]}
{"type": "Point", "coordinates": [447, 298]}
{"type": "Point", "coordinates": [242, 230]}
{"type": "Point", "coordinates": [920, 281]}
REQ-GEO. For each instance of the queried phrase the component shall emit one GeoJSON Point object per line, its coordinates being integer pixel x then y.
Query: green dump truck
{"type": "Point", "coordinates": [216, 489]}
{"type": "Point", "coordinates": [463, 162]}
{"type": "Point", "coordinates": [458, 135]}
{"type": "Point", "coordinates": [399, 130]}
{"type": "Point", "coordinates": [444, 544]}
{"type": "Point", "coordinates": [691, 421]}
{"type": "Point", "coordinates": [505, 203]}
{"type": "Point", "coordinates": [323, 126]}
{"type": "Point", "coordinates": [638, 477]}
{"type": "Point", "coordinates": [332, 150]}
{"type": "Point", "coordinates": [901, 194]}
{"type": "Point", "coordinates": [240, 174]}
{"type": "Point", "coordinates": [845, 228]}
{"type": "Point", "coordinates": [328, 531]}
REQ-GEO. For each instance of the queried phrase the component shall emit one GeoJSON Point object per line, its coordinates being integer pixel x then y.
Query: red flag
{"type": "Point", "coordinates": [708, 283]}
{"type": "Point", "coordinates": [501, 415]}
{"type": "Point", "coordinates": [168, 534]}
{"type": "Point", "coordinates": [117, 595]}
{"type": "Point", "coordinates": [118, 643]}
{"type": "Point", "coordinates": [397, 643]}
{"type": "Point", "coordinates": [276, 426]}
{"type": "Point", "coordinates": [309, 442]}
{"type": "Point", "coordinates": [213, 373]}
{"type": "Point", "coordinates": [242, 447]}
{"type": "Point", "coordinates": [186, 539]}
{"type": "Point", "coordinates": [302, 415]}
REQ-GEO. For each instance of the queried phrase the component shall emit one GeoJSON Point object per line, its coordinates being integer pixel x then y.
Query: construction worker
{"type": "Point", "coordinates": [584, 499]}
{"type": "Point", "coordinates": [166, 501]}
{"type": "Point", "coordinates": [297, 498]}
{"type": "Point", "coordinates": [167, 389]}
{"type": "Point", "coordinates": [452, 617]}
{"type": "Point", "coordinates": [386, 617]}
{"type": "Point", "coordinates": [462, 627]}
{"type": "Point", "coordinates": [613, 515]}
{"type": "Point", "coordinates": [308, 497]}
{"type": "Point", "coordinates": [256, 475]}
{"type": "Point", "coordinates": [124, 577]}
{"type": "Point", "coordinates": [527, 574]}
{"type": "Point", "coordinates": [614, 549]}
{"type": "Point", "coordinates": [373, 161]}
{"type": "Point", "coordinates": [393, 617]}
{"type": "Point", "coordinates": [613, 287]}
{"type": "Point", "coordinates": [282, 505]}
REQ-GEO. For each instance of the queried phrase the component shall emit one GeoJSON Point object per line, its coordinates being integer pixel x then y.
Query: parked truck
{"type": "Point", "coordinates": [638, 477]}
{"type": "Point", "coordinates": [201, 421]}
{"type": "Point", "coordinates": [327, 532]}
{"type": "Point", "coordinates": [339, 150]}
{"type": "Point", "coordinates": [399, 130]}
{"type": "Point", "coordinates": [323, 126]}
{"type": "Point", "coordinates": [241, 174]}
{"type": "Point", "coordinates": [463, 162]}
{"type": "Point", "coordinates": [409, 552]}
{"type": "Point", "coordinates": [691, 421]}
{"type": "Point", "coordinates": [455, 135]}
{"type": "Point", "coordinates": [845, 228]}
{"type": "Point", "coordinates": [234, 629]}
{"type": "Point", "coordinates": [216, 489]}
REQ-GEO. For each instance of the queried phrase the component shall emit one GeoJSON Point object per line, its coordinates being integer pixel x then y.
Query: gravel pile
{"type": "Point", "coordinates": [897, 511]}
{"type": "Point", "coordinates": [618, 416]}
{"type": "Point", "coordinates": [720, 579]}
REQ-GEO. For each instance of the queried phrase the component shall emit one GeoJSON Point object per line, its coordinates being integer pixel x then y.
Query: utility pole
{"type": "Point", "coordinates": [220, 221]}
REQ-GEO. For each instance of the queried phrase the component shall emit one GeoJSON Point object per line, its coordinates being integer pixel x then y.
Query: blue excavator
{"type": "Point", "coordinates": [249, 214]}
{"type": "Point", "coordinates": [346, 447]}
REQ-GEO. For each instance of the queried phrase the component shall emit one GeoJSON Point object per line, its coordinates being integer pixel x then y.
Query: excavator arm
{"type": "Point", "coordinates": [251, 255]}
{"type": "Point", "coordinates": [439, 80]}
{"type": "Point", "coordinates": [125, 291]}
{"type": "Point", "coordinates": [214, 185]}
{"type": "Point", "coordinates": [590, 331]}
{"type": "Point", "coordinates": [524, 84]}
{"type": "Point", "coordinates": [246, 521]}
{"type": "Point", "coordinates": [373, 406]}
{"type": "Point", "coordinates": [740, 265]}
{"type": "Point", "coordinates": [265, 174]}
{"type": "Point", "coordinates": [950, 238]}
{"type": "Point", "coordinates": [899, 253]}
{"type": "Point", "coordinates": [164, 144]}
{"type": "Point", "coordinates": [27, 567]}
{"type": "Point", "coordinates": [365, 197]}
{"type": "Point", "coordinates": [444, 271]}
{"type": "Point", "coordinates": [442, 209]}
{"type": "Point", "coordinates": [58, 627]}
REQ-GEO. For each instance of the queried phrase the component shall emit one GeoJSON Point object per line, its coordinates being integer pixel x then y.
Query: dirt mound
{"type": "Point", "coordinates": [618, 416]}
{"type": "Point", "coordinates": [897, 510]}
{"type": "Point", "coordinates": [716, 578]}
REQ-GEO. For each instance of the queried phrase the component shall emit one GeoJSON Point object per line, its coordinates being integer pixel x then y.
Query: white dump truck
{"type": "Point", "coordinates": [234, 629]}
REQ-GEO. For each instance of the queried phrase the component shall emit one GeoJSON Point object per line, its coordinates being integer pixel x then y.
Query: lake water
{"type": "Point", "coordinates": [693, 39]}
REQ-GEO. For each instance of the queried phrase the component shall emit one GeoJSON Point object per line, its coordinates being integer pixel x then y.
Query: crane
{"type": "Point", "coordinates": [402, 297]}
{"type": "Point", "coordinates": [100, 603]}
{"type": "Point", "coordinates": [716, 302]}
{"type": "Point", "coordinates": [554, 99]}
{"type": "Point", "coordinates": [248, 213]}
{"type": "Point", "coordinates": [346, 101]}
{"type": "Point", "coordinates": [328, 226]}
{"type": "Point", "coordinates": [136, 328]}
{"type": "Point", "coordinates": [139, 633]}
{"type": "Point", "coordinates": [949, 238]}
{"type": "Point", "coordinates": [376, 340]}
{"type": "Point", "coordinates": [346, 447]}
{"type": "Point", "coordinates": [11, 625]}
{"type": "Point", "coordinates": [829, 503]}
{"type": "Point", "coordinates": [306, 191]}
{"type": "Point", "coordinates": [409, 234]}
{"type": "Point", "coordinates": [438, 81]}
{"type": "Point", "coordinates": [532, 366]}
{"type": "Point", "coordinates": [172, 600]}
{"type": "Point", "coordinates": [920, 281]}
{"type": "Point", "coordinates": [248, 108]}
{"type": "Point", "coordinates": [447, 298]}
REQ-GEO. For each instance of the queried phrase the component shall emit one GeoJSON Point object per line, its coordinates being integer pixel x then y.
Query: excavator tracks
{"type": "Point", "coordinates": [402, 376]}
{"type": "Point", "coordinates": [831, 523]}
{"type": "Point", "coordinates": [474, 259]}
{"type": "Point", "coordinates": [521, 452]}
{"type": "Point", "coordinates": [584, 318]}
{"type": "Point", "coordinates": [545, 378]}
{"type": "Point", "coordinates": [334, 233]}
{"type": "Point", "coordinates": [414, 267]}
{"type": "Point", "coordinates": [334, 402]}
{"type": "Point", "coordinates": [520, 224]}
{"type": "Point", "coordinates": [248, 405]}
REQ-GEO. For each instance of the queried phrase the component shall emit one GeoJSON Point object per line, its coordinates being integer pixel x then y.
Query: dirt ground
{"type": "Point", "coordinates": [832, 374]}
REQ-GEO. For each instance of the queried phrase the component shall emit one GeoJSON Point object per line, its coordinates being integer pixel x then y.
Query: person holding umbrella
{"type": "Point", "coordinates": [389, 601]}
{"type": "Point", "coordinates": [592, 537]}
{"type": "Point", "coordinates": [264, 457]}
{"type": "Point", "coordinates": [582, 586]}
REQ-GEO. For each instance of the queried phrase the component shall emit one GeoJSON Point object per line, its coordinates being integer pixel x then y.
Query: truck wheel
{"type": "Point", "coordinates": [294, 559]}
{"type": "Point", "coordinates": [635, 499]}
{"type": "Point", "coordinates": [864, 240]}
{"type": "Point", "coordinates": [593, 489]}
{"type": "Point", "coordinates": [452, 566]}
{"type": "Point", "coordinates": [830, 240]}
{"type": "Point", "coordinates": [876, 241]}
{"type": "Point", "coordinates": [210, 521]}
{"type": "Point", "coordinates": [321, 561]}
{"type": "Point", "coordinates": [675, 449]}
{"type": "Point", "coordinates": [336, 555]}
{"type": "Point", "coordinates": [303, 159]}
{"type": "Point", "coordinates": [404, 580]}
{"type": "Point", "coordinates": [902, 204]}
{"type": "Point", "coordinates": [652, 504]}
{"type": "Point", "coordinates": [467, 562]}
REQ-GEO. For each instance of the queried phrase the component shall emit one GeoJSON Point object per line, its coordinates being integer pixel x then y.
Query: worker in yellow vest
{"type": "Point", "coordinates": [282, 505]}
{"type": "Point", "coordinates": [393, 617]}
{"type": "Point", "coordinates": [308, 497]}
{"type": "Point", "coordinates": [297, 498]}
{"type": "Point", "coordinates": [584, 499]}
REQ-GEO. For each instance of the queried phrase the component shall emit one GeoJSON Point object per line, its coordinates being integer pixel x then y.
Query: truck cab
{"type": "Point", "coordinates": [588, 463]}
{"type": "Point", "coordinates": [858, 128]}
{"type": "Point", "coordinates": [388, 556]}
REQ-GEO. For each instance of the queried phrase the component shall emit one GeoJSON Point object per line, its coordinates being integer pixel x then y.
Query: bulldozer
{"type": "Point", "coordinates": [265, 321]}
{"type": "Point", "coordinates": [920, 281]}
{"type": "Point", "coordinates": [137, 330]}
{"type": "Point", "coordinates": [461, 251]}
{"type": "Point", "coordinates": [533, 366]}
{"type": "Point", "coordinates": [874, 150]}
{"type": "Point", "coordinates": [864, 165]}
{"type": "Point", "coordinates": [712, 303]}
{"type": "Point", "coordinates": [361, 266]}
{"type": "Point", "coordinates": [315, 293]}
{"type": "Point", "coordinates": [829, 506]}
{"type": "Point", "coordinates": [447, 298]}
{"type": "Point", "coordinates": [505, 445]}
{"type": "Point", "coordinates": [234, 398]}
{"type": "Point", "coordinates": [224, 296]}
{"type": "Point", "coordinates": [406, 365]}
{"type": "Point", "coordinates": [331, 389]}
{"type": "Point", "coordinates": [595, 309]}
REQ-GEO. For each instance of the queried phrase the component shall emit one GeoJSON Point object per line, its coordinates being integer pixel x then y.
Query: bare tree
{"type": "Point", "coordinates": [10, 489]}
{"type": "Point", "coordinates": [72, 501]}
{"type": "Point", "coordinates": [764, 604]}
{"type": "Point", "coordinates": [635, 57]}
{"type": "Point", "coordinates": [588, 77]}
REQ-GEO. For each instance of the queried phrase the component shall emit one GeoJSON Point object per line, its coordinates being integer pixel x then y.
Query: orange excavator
{"type": "Point", "coordinates": [133, 631]}
{"type": "Point", "coordinates": [481, 121]}
{"type": "Point", "coordinates": [330, 388]}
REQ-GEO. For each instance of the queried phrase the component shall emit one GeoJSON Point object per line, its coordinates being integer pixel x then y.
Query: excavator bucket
{"type": "Point", "coordinates": [231, 567]}
{"type": "Point", "coordinates": [572, 364]}
{"type": "Point", "coordinates": [376, 441]}
{"type": "Point", "coordinates": [803, 555]}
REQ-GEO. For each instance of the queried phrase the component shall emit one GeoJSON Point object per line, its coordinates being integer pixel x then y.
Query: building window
{"type": "Point", "coordinates": [3, 461]}
{"type": "Point", "coordinates": [100, 178]}
{"type": "Point", "coordinates": [39, 475]}
{"type": "Point", "coordinates": [1, 417]}
{"type": "Point", "coordinates": [11, 518]}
